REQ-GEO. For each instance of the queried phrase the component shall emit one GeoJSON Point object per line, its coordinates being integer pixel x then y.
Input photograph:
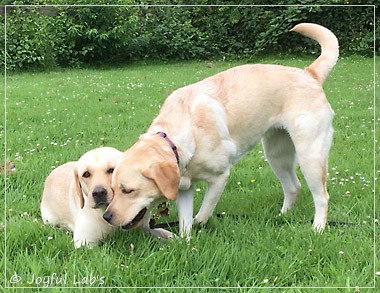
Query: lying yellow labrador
{"type": "Point", "coordinates": [76, 195]}
{"type": "Point", "coordinates": [203, 129]}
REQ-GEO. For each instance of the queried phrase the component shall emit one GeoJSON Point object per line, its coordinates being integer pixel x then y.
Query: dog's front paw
{"type": "Point", "coordinates": [319, 222]}
{"type": "Point", "coordinates": [319, 226]}
{"type": "Point", "coordinates": [200, 221]}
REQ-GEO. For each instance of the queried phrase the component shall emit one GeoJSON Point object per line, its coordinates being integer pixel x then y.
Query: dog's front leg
{"type": "Point", "coordinates": [213, 193]}
{"type": "Point", "coordinates": [185, 201]}
{"type": "Point", "coordinates": [90, 228]}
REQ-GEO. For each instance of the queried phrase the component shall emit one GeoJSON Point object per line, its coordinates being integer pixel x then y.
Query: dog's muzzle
{"type": "Point", "coordinates": [107, 216]}
{"type": "Point", "coordinates": [136, 220]}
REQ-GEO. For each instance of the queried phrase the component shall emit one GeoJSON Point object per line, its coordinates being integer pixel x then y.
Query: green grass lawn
{"type": "Point", "coordinates": [55, 117]}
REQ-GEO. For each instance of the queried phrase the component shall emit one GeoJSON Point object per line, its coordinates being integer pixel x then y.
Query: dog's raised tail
{"type": "Point", "coordinates": [322, 66]}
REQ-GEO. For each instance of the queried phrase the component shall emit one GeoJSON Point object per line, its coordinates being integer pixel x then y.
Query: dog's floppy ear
{"type": "Point", "coordinates": [77, 188]}
{"type": "Point", "coordinates": [166, 177]}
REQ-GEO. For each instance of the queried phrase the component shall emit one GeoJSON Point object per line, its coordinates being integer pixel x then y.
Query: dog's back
{"type": "Point", "coordinates": [56, 204]}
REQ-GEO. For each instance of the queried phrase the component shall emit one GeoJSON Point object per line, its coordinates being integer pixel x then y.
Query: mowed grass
{"type": "Point", "coordinates": [55, 117]}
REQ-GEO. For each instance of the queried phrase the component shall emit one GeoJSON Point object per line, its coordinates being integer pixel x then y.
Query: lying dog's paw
{"type": "Point", "coordinates": [88, 244]}
{"type": "Point", "coordinates": [161, 234]}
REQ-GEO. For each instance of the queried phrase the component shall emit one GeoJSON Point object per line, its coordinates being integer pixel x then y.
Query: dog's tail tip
{"type": "Point", "coordinates": [322, 66]}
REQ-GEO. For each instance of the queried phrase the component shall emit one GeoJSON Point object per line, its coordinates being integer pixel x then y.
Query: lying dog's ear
{"type": "Point", "coordinates": [77, 188]}
{"type": "Point", "coordinates": [166, 177]}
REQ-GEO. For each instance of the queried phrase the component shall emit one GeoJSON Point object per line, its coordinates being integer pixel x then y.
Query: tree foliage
{"type": "Point", "coordinates": [49, 36]}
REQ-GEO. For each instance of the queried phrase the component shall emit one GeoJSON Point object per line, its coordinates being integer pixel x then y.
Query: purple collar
{"type": "Point", "coordinates": [172, 145]}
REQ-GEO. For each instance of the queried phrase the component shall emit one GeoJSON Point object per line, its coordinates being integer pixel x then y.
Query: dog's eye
{"type": "Point", "coordinates": [110, 170]}
{"type": "Point", "coordinates": [86, 174]}
{"type": "Point", "coordinates": [126, 190]}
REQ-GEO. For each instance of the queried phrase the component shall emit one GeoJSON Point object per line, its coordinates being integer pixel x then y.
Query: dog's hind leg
{"type": "Point", "coordinates": [280, 153]}
{"type": "Point", "coordinates": [312, 141]}
{"type": "Point", "coordinates": [313, 165]}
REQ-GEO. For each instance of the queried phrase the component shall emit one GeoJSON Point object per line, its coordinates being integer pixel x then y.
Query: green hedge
{"type": "Point", "coordinates": [49, 36]}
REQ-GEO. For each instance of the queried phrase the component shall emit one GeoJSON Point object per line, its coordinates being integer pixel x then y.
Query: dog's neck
{"type": "Point", "coordinates": [184, 150]}
{"type": "Point", "coordinates": [172, 145]}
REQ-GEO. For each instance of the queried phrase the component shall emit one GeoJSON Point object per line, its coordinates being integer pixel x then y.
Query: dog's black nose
{"type": "Point", "coordinates": [107, 216]}
{"type": "Point", "coordinates": [100, 195]}
{"type": "Point", "coordinates": [99, 192]}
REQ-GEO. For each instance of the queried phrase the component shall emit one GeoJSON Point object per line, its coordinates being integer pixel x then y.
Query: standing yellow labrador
{"type": "Point", "coordinates": [76, 195]}
{"type": "Point", "coordinates": [203, 129]}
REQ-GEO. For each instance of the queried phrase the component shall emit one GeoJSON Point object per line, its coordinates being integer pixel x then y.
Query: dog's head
{"type": "Point", "coordinates": [93, 176]}
{"type": "Point", "coordinates": [143, 178]}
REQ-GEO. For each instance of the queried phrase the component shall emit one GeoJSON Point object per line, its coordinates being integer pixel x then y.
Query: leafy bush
{"type": "Point", "coordinates": [100, 33]}
{"type": "Point", "coordinates": [27, 44]}
{"type": "Point", "coordinates": [49, 36]}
